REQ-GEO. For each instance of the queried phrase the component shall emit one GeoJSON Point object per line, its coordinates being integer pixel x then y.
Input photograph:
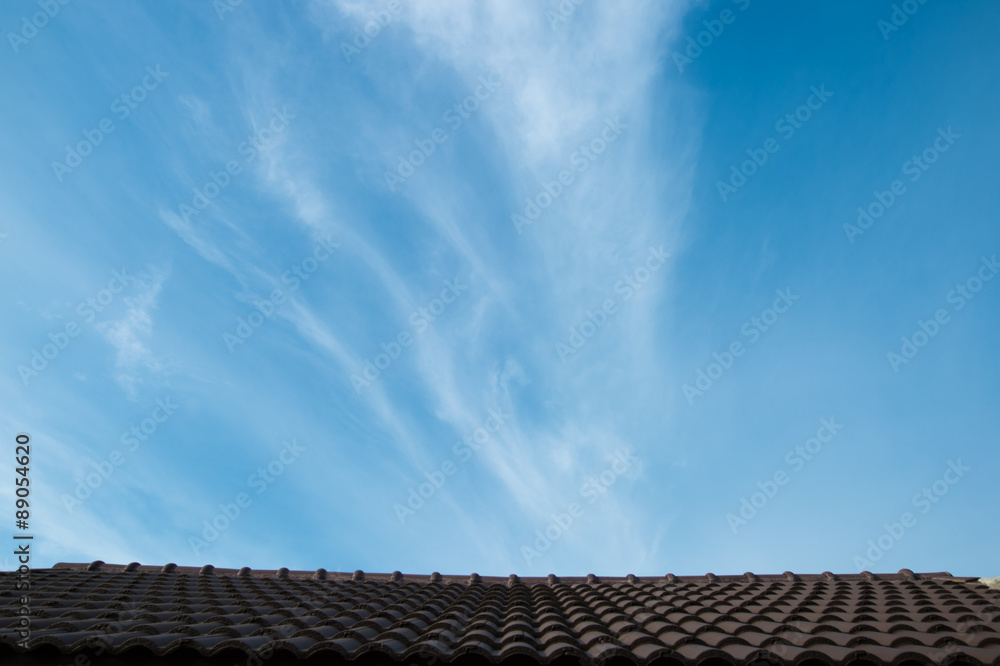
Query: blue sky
{"type": "Point", "coordinates": [503, 286]}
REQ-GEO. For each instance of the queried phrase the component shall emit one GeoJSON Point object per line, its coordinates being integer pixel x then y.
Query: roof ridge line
{"type": "Point", "coordinates": [509, 580]}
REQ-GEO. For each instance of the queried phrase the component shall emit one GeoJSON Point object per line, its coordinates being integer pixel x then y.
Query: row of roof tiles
{"type": "Point", "coordinates": [218, 613]}
{"type": "Point", "coordinates": [474, 578]}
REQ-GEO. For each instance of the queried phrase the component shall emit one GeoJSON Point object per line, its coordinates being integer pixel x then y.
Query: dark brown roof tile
{"type": "Point", "coordinates": [674, 639]}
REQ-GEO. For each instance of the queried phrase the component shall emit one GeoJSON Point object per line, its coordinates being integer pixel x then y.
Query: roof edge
{"type": "Point", "coordinates": [513, 579]}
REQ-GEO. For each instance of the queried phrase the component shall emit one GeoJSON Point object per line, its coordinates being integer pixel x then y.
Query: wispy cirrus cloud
{"type": "Point", "coordinates": [129, 335]}
{"type": "Point", "coordinates": [557, 91]}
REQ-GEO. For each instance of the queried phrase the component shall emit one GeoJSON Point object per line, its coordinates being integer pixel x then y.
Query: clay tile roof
{"type": "Point", "coordinates": [111, 613]}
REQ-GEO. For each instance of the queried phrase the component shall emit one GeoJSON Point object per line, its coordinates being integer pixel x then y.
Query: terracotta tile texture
{"type": "Point", "coordinates": [155, 614]}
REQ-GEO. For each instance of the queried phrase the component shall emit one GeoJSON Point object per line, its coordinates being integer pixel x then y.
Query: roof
{"type": "Point", "coordinates": [144, 614]}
